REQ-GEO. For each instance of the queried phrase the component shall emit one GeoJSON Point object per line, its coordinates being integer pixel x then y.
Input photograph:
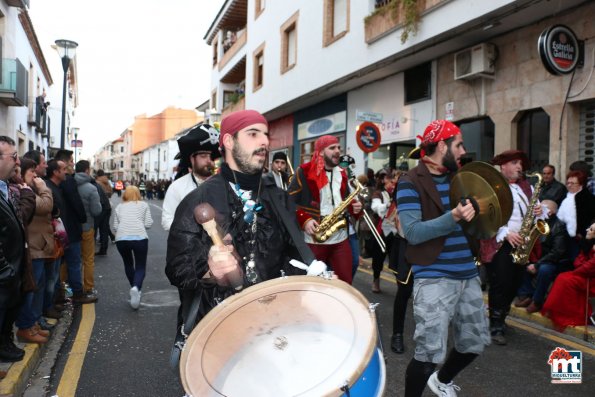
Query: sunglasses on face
{"type": "Point", "coordinates": [14, 155]}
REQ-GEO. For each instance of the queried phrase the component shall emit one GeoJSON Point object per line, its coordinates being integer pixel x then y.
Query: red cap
{"type": "Point", "coordinates": [239, 120]}
{"type": "Point", "coordinates": [436, 131]}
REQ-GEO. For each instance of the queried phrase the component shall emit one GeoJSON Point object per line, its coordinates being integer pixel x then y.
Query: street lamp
{"type": "Point", "coordinates": [66, 50]}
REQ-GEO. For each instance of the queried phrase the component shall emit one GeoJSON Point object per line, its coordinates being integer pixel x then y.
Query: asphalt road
{"type": "Point", "coordinates": [128, 352]}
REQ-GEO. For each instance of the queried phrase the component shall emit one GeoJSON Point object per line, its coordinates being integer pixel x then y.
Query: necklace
{"type": "Point", "coordinates": [251, 209]}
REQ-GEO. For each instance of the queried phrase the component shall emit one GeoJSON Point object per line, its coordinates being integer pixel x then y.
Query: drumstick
{"type": "Point", "coordinates": [204, 214]}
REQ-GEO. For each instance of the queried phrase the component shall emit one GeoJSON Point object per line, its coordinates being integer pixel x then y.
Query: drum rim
{"type": "Point", "coordinates": [209, 321]}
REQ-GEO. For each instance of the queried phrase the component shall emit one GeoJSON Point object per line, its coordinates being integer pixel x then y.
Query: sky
{"type": "Point", "coordinates": [134, 57]}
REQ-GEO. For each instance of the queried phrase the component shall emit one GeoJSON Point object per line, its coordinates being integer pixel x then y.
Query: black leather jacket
{"type": "Point", "coordinates": [188, 243]}
{"type": "Point", "coordinates": [12, 255]}
{"type": "Point", "coordinates": [554, 191]}
{"type": "Point", "coordinates": [554, 247]}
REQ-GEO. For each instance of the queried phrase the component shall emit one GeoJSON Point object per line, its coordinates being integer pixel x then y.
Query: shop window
{"type": "Point", "coordinates": [336, 20]}
{"type": "Point", "coordinates": [418, 83]}
{"type": "Point", "coordinates": [478, 137]}
{"type": "Point", "coordinates": [258, 59]}
{"type": "Point", "coordinates": [533, 137]}
{"type": "Point", "coordinates": [258, 7]}
{"type": "Point", "coordinates": [289, 43]}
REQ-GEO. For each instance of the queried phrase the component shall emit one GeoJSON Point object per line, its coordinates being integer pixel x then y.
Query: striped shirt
{"type": "Point", "coordinates": [455, 261]}
{"type": "Point", "coordinates": [130, 220]}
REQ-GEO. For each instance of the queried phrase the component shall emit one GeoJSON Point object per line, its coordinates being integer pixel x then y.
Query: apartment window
{"type": "Point", "coordinates": [121, 149]}
{"type": "Point", "coordinates": [259, 8]}
{"type": "Point", "coordinates": [533, 137]}
{"type": "Point", "coordinates": [122, 164]}
{"type": "Point", "coordinates": [418, 83]}
{"type": "Point", "coordinates": [478, 135]}
{"type": "Point", "coordinates": [214, 99]}
{"type": "Point", "coordinates": [258, 59]}
{"type": "Point", "coordinates": [336, 20]}
{"type": "Point", "coordinates": [289, 43]}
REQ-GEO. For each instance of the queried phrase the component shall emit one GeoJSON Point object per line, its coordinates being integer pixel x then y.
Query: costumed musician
{"type": "Point", "coordinates": [504, 276]}
{"type": "Point", "coordinates": [254, 215]}
{"type": "Point", "coordinates": [278, 172]}
{"type": "Point", "coordinates": [319, 189]}
{"type": "Point", "coordinates": [347, 163]}
{"type": "Point", "coordinates": [446, 282]}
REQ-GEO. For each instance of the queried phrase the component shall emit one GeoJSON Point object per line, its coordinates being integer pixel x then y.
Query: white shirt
{"type": "Point", "coordinates": [327, 207]}
{"type": "Point", "coordinates": [567, 213]}
{"type": "Point", "coordinates": [176, 192]}
{"type": "Point", "coordinates": [520, 202]}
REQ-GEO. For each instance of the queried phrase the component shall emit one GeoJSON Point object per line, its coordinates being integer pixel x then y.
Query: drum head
{"type": "Point", "coordinates": [293, 336]}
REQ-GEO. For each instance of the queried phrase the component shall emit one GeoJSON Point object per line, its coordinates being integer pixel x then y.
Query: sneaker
{"type": "Point", "coordinates": [442, 389]}
{"type": "Point", "coordinates": [134, 297]}
{"type": "Point", "coordinates": [498, 338]}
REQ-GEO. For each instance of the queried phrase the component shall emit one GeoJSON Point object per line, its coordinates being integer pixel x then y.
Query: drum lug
{"type": "Point", "coordinates": [345, 389]}
{"type": "Point", "coordinates": [372, 307]}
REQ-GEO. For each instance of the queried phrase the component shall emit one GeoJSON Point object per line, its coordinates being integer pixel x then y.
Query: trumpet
{"type": "Point", "coordinates": [362, 196]}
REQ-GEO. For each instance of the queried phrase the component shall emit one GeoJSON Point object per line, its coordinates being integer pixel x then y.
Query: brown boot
{"type": "Point", "coordinates": [376, 286]}
{"type": "Point", "coordinates": [533, 308]}
{"type": "Point", "coordinates": [29, 335]}
{"type": "Point", "coordinates": [52, 313]}
{"type": "Point", "coordinates": [40, 331]}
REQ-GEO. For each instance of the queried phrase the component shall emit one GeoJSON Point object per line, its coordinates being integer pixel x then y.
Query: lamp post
{"type": "Point", "coordinates": [66, 50]}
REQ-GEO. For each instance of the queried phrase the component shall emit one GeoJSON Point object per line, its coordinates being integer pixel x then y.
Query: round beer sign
{"type": "Point", "coordinates": [559, 49]}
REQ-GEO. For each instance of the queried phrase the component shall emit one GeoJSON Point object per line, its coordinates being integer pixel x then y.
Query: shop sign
{"type": "Point", "coordinates": [559, 49]}
{"type": "Point", "coordinates": [368, 137]}
{"type": "Point", "coordinates": [361, 115]}
{"type": "Point", "coordinates": [323, 126]}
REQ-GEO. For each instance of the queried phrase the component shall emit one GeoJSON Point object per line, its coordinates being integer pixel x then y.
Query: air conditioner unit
{"type": "Point", "coordinates": [477, 61]}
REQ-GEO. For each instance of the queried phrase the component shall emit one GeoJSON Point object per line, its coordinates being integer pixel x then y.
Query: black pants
{"type": "Point", "coordinates": [377, 254]}
{"type": "Point", "coordinates": [504, 279]}
{"type": "Point", "coordinates": [398, 263]}
{"type": "Point", "coordinates": [102, 224]}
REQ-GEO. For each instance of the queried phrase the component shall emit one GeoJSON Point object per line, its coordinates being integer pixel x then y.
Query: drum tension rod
{"type": "Point", "coordinates": [372, 307]}
{"type": "Point", "coordinates": [345, 389]}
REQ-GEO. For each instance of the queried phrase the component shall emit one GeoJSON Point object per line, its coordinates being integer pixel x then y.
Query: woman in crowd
{"type": "Point", "coordinates": [131, 219]}
{"type": "Point", "coordinates": [577, 210]}
{"type": "Point", "coordinates": [566, 304]}
{"type": "Point", "coordinates": [381, 205]}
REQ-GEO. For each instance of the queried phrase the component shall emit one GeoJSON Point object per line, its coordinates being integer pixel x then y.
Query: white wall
{"type": "Point", "coordinates": [317, 65]}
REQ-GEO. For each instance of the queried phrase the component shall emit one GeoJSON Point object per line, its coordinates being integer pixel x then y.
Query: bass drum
{"type": "Point", "coordinates": [292, 336]}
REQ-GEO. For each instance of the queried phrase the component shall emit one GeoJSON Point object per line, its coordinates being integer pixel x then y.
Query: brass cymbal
{"type": "Point", "coordinates": [490, 194]}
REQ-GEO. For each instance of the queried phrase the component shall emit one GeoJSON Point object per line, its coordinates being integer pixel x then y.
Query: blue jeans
{"type": "Point", "coordinates": [134, 254]}
{"type": "Point", "coordinates": [354, 243]}
{"type": "Point", "coordinates": [72, 256]}
{"type": "Point", "coordinates": [32, 303]}
{"type": "Point", "coordinates": [546, 273]}
{"type": "Point", "coordinates": [52, 275]}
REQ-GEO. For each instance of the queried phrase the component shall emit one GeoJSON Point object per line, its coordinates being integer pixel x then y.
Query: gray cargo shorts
{"type": "Point", "coordinates": [439, 301]}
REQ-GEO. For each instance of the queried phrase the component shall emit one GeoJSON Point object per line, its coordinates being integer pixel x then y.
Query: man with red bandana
{"type": "Point", "coordinates": [250, 212]}
{"type": "Point", "coordinates": [318, 188]}
{"type": "Point", "coordinates": [446, 282]}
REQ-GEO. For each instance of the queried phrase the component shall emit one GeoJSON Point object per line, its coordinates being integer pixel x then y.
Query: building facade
{"type": "Point", "coordinates": [316, 69]}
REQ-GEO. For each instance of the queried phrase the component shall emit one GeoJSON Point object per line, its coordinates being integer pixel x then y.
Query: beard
{"type": "Point", "coordinates": [205, 171]}
{"type": "Point", "coordinates": [449, 161]}
{"type": "Point", "coordinates": [242, 160]}
{"type": "Point", "coordinates": [331, 161]}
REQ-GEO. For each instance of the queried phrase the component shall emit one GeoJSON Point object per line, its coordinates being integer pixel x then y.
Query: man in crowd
{"type": "Point", "coordinates": [256, 217]}
{"type": "Point", "coordinates": [102, 226]}
{"type": "Point", "coordinates": [90, 197]}
{"type": "Point", "coordinates": [72, 213]}
{"type": "Point", "coordinates": [278, 172]}
{"type": "Point", "coordinates": [504, 276]}
{"type": "Point", "coordinates": [199, 148]}
{"type": "Point", "coordinates": [318, 188]}
{"type": "Point", "coordinates": [553, 260]}
{"type": "Point", "coordinates": [446, 282]}
{"type": "Point", "coordinates": [551, 189]}
{"type": "Point", "coordinates": [12, 254]}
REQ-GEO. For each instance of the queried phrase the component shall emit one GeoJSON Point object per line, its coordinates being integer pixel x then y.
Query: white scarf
{"type": "Point", "coordinates": [567, 213]}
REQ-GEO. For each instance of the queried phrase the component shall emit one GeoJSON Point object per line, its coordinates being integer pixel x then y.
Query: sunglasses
{"type": "Point", "coordinates": [14, 155]}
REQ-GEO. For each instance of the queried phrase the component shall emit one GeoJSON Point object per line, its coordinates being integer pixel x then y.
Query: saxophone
{"type": "Point", "coordinates": [335, 221]}
{"type": "Point", "coordinates": [529, 231]}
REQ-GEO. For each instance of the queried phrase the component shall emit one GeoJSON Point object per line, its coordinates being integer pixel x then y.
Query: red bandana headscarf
{"type": "Point", "coordinates": [436, 131]}
{"type": "Point", "coordinates": [238, 120]}
{"type": "Point", "coordinates": [317, 169]}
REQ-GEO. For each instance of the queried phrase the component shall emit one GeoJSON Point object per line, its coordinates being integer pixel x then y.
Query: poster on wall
{"type": "Point", "coordinates": [330, 124]}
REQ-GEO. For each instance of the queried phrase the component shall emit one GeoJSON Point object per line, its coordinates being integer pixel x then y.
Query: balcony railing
{"type": "Point", "coordinates": [13, 82]}
{"type": "Point", "coordinates": [18, 3]}
{"type": "Point", "coordinates": [238, 43]}
{"type": "Point", "coordinates": [38, 115]}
